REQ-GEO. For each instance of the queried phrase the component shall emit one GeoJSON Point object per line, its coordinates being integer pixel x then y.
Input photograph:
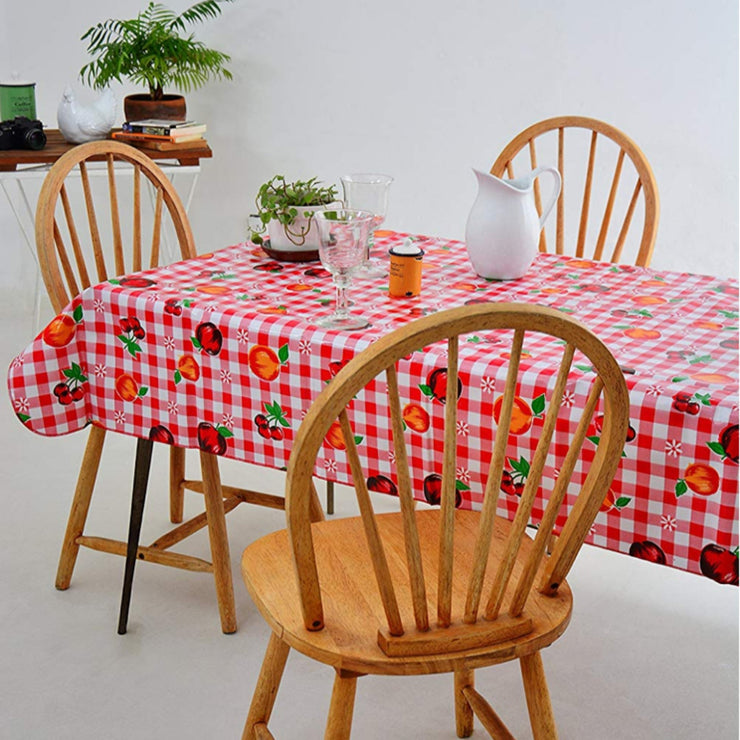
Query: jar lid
{"type": "Point", "coordinates": [407, 249]}
{"type": "Point", "coordinates": [16, 83]}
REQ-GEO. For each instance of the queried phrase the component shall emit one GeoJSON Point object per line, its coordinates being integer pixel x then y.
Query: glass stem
{"type": "Point", "coordinates": [342, 302]}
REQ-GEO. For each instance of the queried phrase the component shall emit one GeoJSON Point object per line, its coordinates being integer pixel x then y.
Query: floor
{"type": "Point", "coordinates": [651, 652]}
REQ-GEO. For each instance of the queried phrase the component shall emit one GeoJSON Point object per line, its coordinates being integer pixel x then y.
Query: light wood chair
{"type": "Point", "coordinates": [400, 593]}
{"type": "Point", "coordinates": [79, 246]}
{"type": "Point", "coordinates": [619, 161]}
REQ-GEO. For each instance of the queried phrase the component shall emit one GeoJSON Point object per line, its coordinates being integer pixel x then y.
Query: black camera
{"type": "Point", "coordinates": [22, 133]}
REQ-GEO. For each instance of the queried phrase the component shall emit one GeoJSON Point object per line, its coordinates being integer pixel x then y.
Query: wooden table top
{"type": "Point", "coordinates": [56, 146]}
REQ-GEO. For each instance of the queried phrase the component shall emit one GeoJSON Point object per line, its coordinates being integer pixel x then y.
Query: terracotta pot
{"type": "Point", "coordinates": [140, 107]}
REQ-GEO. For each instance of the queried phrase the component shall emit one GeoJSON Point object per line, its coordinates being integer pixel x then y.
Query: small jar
{"type": "Point", "coordinates": [405, 270]}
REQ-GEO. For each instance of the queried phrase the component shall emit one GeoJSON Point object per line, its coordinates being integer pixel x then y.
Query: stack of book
{"type": "Point", "coordinates": [162, 135]}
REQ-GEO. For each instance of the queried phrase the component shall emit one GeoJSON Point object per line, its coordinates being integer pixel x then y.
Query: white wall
{"type": "Point", "coordinates": [425, 90]}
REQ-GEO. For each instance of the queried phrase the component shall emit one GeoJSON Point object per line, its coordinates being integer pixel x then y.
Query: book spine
{"type": "Point", "coordinates": [133, 128]}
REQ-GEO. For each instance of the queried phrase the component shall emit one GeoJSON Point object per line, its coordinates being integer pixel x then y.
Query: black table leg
{"type": "Point", "coordinates": [141, 479]}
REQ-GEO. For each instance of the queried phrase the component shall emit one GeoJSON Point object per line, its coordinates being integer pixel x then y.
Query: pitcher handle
{"type": "Point", "coordinates": [555, 193]}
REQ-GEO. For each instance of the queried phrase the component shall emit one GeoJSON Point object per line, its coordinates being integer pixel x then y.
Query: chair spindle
{"type": "Point", "coordinates": [627, 221]}
{"type": "Point", "coordinates": [447, 518]}
{"type": "Point", "coordinates": [493, 484]}
{"type": "Point", "coordinates": [601, 240]}
{"type": "Point", "coordinates": [115, 219]}
{"type": "Point", "coordinates": [583, 226]}
{"type": "Point", "coordinates": [526, 502]}
{"type": "Point", "coordinates": [377, 552]}
{"type": "Point", "coordinates": [406, 499]}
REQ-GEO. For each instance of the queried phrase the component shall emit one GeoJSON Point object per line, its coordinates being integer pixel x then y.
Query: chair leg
{"type": "Point", "coordinates": [464, 677]}
{"type": "Point", "coordinates": [138, 497]}
{"type": "Point", "coordinates": [267, 687]}
{"type": "Point", "coordinates": [339, 723]}
{"type": "Point", "coordinates": [538, 698]}
{"type": "Point", "coordinates": [219, 541]}
{"type": "Point", "coordinates": [177, 476]}
{"type": "Point", "coordinates": [80, 506]}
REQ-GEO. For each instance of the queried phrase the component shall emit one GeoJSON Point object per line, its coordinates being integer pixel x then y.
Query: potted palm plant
{"type": "Point", "coordinates": [153, 50]}
{"type": "Point", "coordinates": [285, 210]}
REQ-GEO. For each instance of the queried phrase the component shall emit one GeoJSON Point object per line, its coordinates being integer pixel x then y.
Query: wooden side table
{"type": "Point", "coordinates": [22, 165]}
{"type": "Point", "coordinates": [10, 159]}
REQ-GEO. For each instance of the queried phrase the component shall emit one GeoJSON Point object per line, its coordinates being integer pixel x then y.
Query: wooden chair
{"type": "Point", "coordinates": [400, 593]}
{"type": "Point", "coordinates": [81, 246]}
{"type": "Point", "coordinates": [622, 159]}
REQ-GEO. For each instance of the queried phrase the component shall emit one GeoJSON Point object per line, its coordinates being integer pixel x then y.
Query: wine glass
{"type": "Point", "coordinates": [343, 236]}
{"type": "Point", "coordinates": [368, 192]}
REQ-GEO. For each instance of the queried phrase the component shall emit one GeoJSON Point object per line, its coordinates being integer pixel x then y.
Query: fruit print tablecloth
{"type": "Point", "coordinates": [220, 353]}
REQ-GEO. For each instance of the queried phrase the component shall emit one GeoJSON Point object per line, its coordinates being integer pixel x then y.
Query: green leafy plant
{"type": "Point", "coordinates": [151, 50]}
{"type": "Point", "coordinates": [282, 201]}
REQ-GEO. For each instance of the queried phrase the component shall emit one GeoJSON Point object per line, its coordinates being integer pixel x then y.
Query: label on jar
{"type": "Point", "coordinates": [405, 270]}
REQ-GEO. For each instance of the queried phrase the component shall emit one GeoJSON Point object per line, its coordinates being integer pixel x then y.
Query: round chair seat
{"type": "Point", "coordinates": [353, 610]}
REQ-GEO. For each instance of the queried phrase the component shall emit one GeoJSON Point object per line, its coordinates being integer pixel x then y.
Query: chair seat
{"type": "Point", "coordinates": [353, 610]}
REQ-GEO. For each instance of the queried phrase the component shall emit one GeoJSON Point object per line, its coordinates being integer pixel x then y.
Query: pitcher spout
{"type": "Point", "coordinates": [519, 185]}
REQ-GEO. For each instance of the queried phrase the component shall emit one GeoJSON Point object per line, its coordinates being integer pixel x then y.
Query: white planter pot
{"type": "Point", "coordinates": [302, 234]}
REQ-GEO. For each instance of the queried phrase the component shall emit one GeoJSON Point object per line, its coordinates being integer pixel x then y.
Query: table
{"type": "Point", "coordinates": [229, 361]}
{"type": "Point", "coordinates": [19, 167]}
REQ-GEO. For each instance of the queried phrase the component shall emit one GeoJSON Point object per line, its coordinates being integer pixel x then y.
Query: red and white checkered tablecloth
{"type": "Point", "coordinates": [221, 352]}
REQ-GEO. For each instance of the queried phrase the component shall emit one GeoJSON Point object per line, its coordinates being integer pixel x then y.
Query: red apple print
{"type": "Point", "coordinates": [317, 272]}
{"type": "Point", "coordinates": [209, 337]}
{"type": "Point", "coordinates": [160, 433]}
{"type": "Point", "coordinates": [436, 385]}
{"type": "Point", "coordinates": [210, 439]}
{"type": "Point", "coordinates": [728, 438]}
{"type": "Point", "coordinates": [136, 282]}
{"type": "Point", "coordinates": [269, 267]}
{"type": "Point", "coordinates": [647, 550]}
{"type": "Point", "coordinates": [733, 343]}
{"type": "Point", "coordinates": [381, 484]}
{"type": "Point", "coordinates": [433, 490]}
{"type": "Point", "coordinates": [719, 564]}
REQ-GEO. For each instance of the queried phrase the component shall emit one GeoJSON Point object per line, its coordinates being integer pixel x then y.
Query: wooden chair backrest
{"type": "Point", "coordinates": [606, 392]}
{"type": "Point", "coordinates": [78, 247]}
{"type": "Point", "coordinates": [630, 166]}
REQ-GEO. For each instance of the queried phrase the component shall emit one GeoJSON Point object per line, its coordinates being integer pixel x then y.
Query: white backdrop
{"type": "Point", "coordinates": [423, 91]}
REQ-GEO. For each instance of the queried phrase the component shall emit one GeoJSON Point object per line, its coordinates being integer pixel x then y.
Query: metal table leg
{"type": "Point", "coordinates": [141, 479]}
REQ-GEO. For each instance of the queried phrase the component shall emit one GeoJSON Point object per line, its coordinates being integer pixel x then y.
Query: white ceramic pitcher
{"type": "Point", "coordinates": [503, 227]}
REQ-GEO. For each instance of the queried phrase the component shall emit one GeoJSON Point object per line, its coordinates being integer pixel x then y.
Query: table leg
{"type": "Point", "coordinates": [329, 497]}
{"type": "Point", "coordinates": [141, 479]}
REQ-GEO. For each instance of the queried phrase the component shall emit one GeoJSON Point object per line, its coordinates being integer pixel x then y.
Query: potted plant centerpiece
{"type": "Point", "coordinates": [285, 210]}
{"type": "Point", "coordinates": [151, 50]}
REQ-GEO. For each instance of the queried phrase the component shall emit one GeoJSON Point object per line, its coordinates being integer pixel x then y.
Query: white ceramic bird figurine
{"type": "Point", "coordinates": [79, 123]}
